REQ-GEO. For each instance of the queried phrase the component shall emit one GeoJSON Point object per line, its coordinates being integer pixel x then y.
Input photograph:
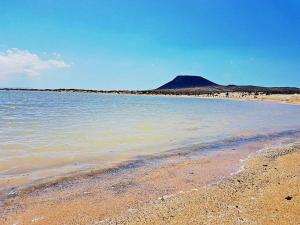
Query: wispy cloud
{"type": "Point", "coordinates": [14, 62]}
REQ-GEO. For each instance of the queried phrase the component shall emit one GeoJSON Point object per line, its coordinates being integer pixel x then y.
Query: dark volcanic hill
{"type": "Point", "coordinates": [187, 81]}
{"type": "Point", "coordinates": [188, 84]}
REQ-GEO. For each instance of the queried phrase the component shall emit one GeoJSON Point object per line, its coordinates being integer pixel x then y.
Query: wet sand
{"type": "Point", "coordinates": [184, 189]}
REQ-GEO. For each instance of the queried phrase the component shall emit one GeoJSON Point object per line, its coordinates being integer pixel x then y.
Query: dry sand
{"type": "Point", "coordinates": [267, 192]}
{"type": "Point", "coordinates": [293, 99]}
{"type": "Point", "coordinates": [281, 98]}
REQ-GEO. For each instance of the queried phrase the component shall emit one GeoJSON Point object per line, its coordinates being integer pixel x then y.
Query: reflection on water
{"type": "Point", "coordinates": [46, 133]}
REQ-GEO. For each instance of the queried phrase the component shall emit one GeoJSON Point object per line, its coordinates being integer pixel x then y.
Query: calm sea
{"type": "Point", "coordinates": [46, 133]}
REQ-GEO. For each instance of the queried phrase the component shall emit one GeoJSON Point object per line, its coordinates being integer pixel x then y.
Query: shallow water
{"type": "Point", "coordinates": [48, 133]}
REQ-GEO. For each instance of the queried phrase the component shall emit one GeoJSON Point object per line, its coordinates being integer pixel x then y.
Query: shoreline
{"type": "Point", "coordinates": [293, 99]}
{"type": "Point", "coordinates": [267, 191]}
{"type": "Point", "coordinates": [140, 161]}
{"type": "Point", "coordinates": [122, 191]}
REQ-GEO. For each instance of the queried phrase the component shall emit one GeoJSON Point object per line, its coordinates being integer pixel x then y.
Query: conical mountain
{"type": "Point", "coordinates": [187, 81]}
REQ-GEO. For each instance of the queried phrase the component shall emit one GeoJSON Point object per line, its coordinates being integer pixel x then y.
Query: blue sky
{"type": "Point", "coordinates": [139, 44]}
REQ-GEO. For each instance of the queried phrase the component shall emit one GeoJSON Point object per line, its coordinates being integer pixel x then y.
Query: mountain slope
{"type": "Point", "coordinates": [188, 84]}
{"type": "Point", "coordinates": [187, 81]}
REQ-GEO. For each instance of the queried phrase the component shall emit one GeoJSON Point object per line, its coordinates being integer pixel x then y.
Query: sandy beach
{"type": "Point", "coordinates": [149, 112]}
{"type": "Point", "coordinates": [214, 188]}
{"type": "Point", "coordinates": [293, 99]}
{"type": "Point", "coordinates": [281, 98]}
{"type": "Point", "coordinates": [266, 192]}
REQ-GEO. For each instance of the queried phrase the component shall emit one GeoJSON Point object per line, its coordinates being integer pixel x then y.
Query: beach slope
{"type": "Point", "coordinates": [266, 192]}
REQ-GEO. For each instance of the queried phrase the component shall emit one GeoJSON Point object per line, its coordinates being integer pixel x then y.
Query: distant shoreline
{"type": "Point", "coordinates": [276, 96]}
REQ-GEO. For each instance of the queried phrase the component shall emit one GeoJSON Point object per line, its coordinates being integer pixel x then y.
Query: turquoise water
{"type": "Point", "coordinates": [48, 133]}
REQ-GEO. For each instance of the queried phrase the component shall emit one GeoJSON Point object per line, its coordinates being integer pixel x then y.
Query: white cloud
{"type": "Point", "coordinates": [14, 62]}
